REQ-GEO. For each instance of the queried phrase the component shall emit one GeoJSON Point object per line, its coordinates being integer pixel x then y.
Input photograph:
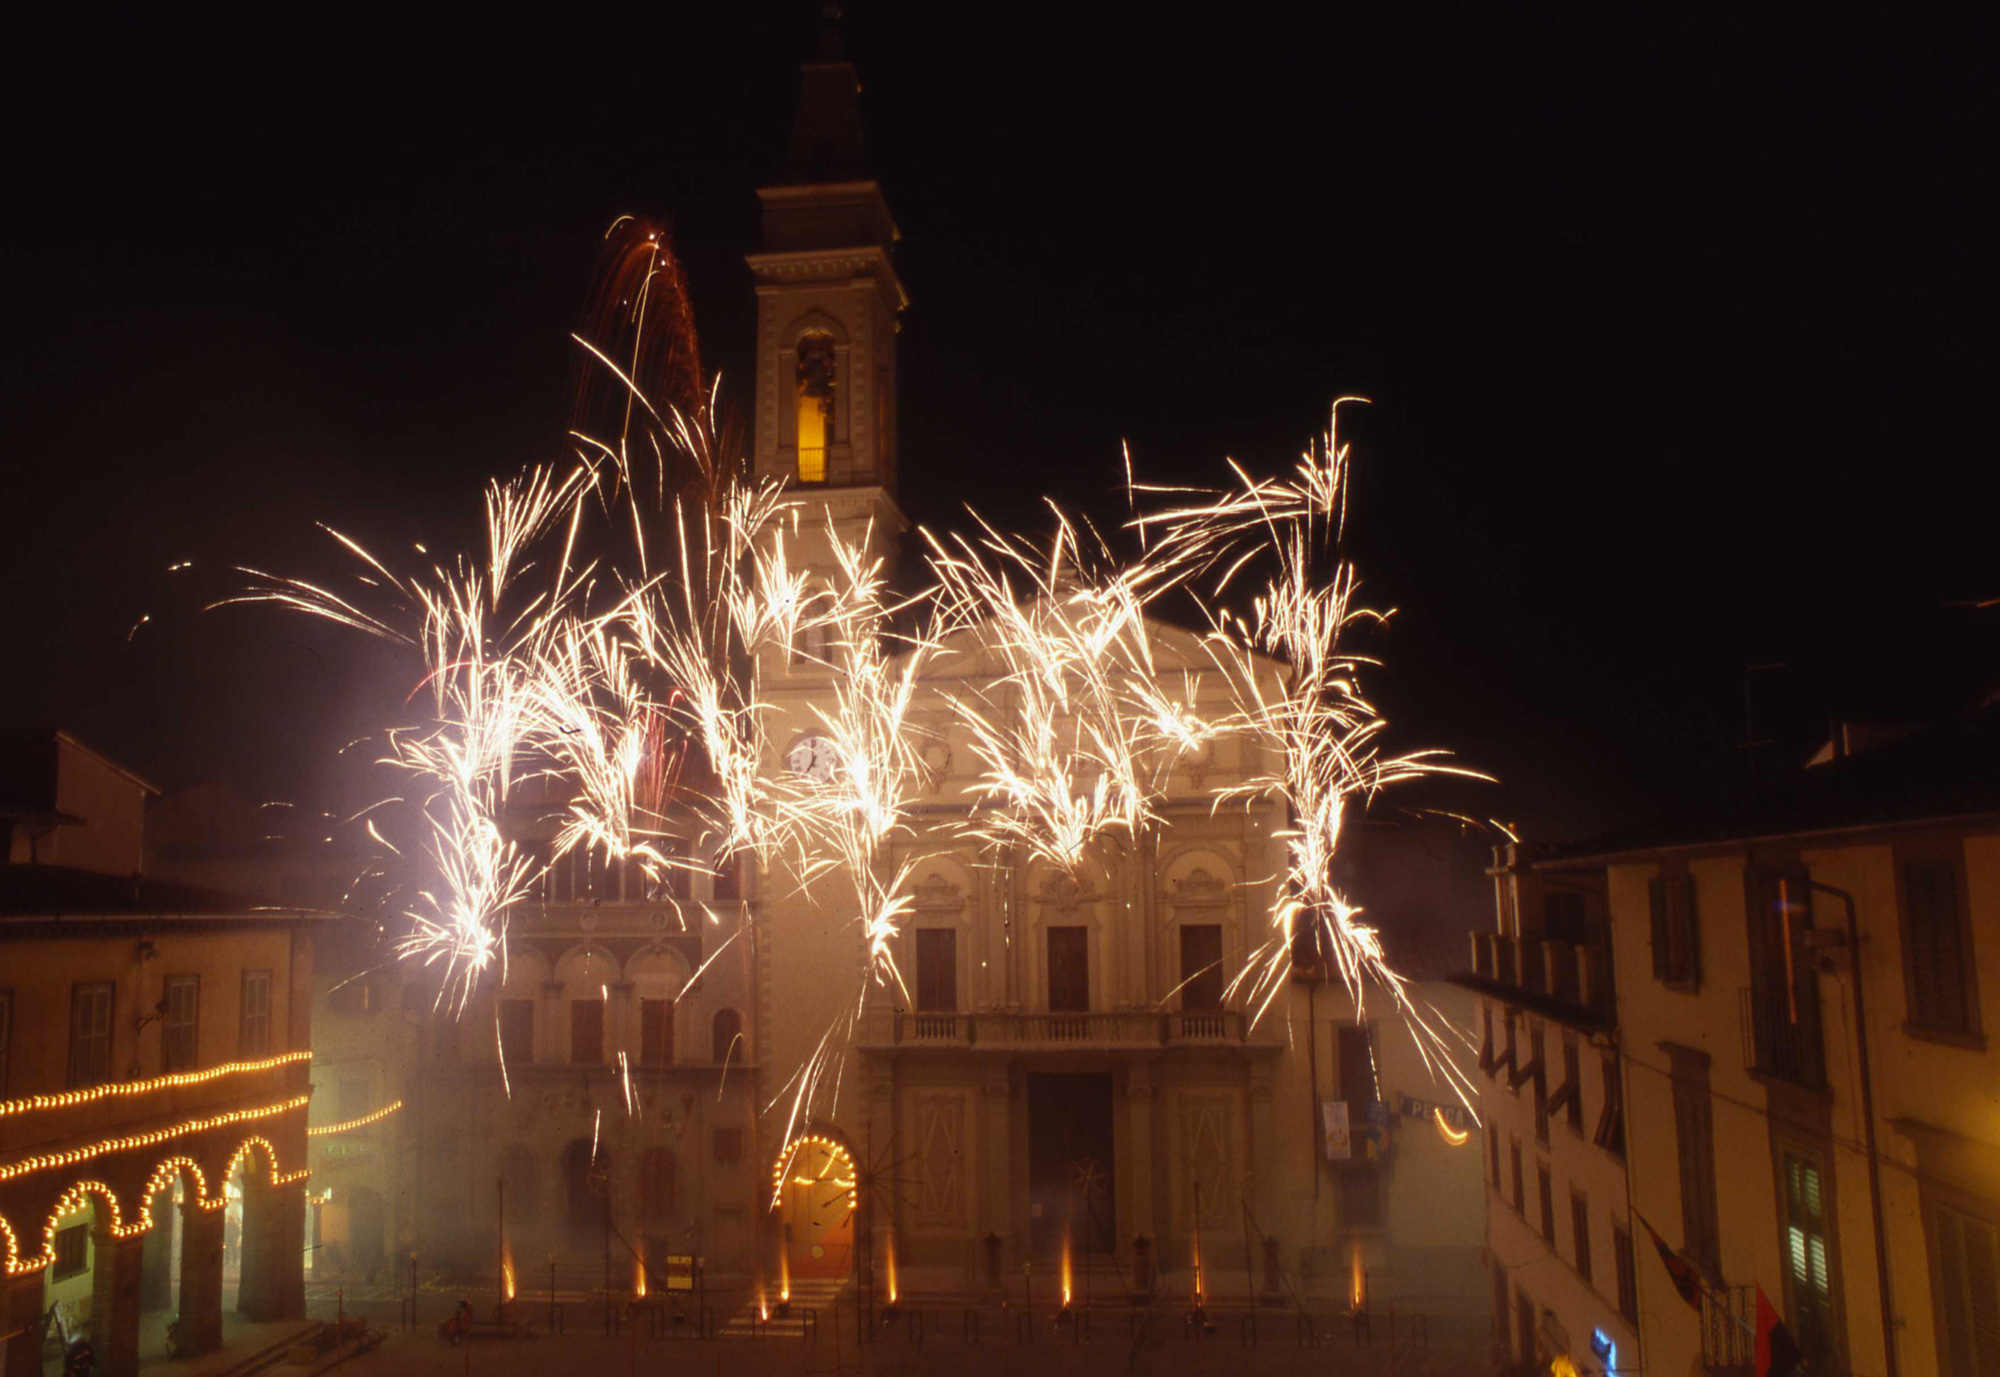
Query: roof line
{"type": "Point", "coordinates": [1731, 842]}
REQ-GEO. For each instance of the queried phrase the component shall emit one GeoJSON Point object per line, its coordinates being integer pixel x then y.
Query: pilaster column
{"type": "Point", "coordinates": [289, 1228]}
{"type": "Point", "coordinates": [998, 1169]}
{"type": "Point", "coordinates": [23, 1320]}
{"type": "Point", "coordinates": [1139, 1133]}
{"type": "Point", "coordinates": [201, 1279]}
{"type": "Point", "coordinates": [115, 1277]}
{"type": "Point", "coordinates": [257, 1253]}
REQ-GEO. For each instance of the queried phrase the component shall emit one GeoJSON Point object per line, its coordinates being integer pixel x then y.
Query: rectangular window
{"type": "Point", "coordinates": [1968, 1271]}
{"type": "Point", "coordinates": [1520, 1195]}
{"type": "Point", "coordinates": [1201, 966]}
{"type": "Point", "coordinates": [253, 1034]}
{"type": "Point", "coordinates": [1493, 1151]}
{"type": "Point", "coordinates": [90, 1033]}
{"type": "Point", "coordinates": [355, 1101]}
{"type": "Point", "coordinates": [1069, 970]}
{"type": "Point", "coordinates": [1548, 1206]}
{"type": "Point", "coordinates": [1808, 1289]}
{"type": "Point", "coordinates": [1936, 972]}
{"type": "Point", "coordinates": [1357, 1070]}
{"type": "Point", "coordinates": [1563, 917]}
{"type": "Point", "coordinates": [1579, 1233]}
{"type": "Point", "coordinates": [1676, 932]}
{"type": "Point", "coordinates": [1487, 1052]}
{"type": "Point", "coordinates": [517, 1030]}
{"type": "Point", "coordinates": [1573, 1078]}
{"type": "Point", "coordinates": [6, 1037]}
{"type": "Point", "coordinates": [1610, 1133]}
{"type": "Point", "coordinates": [1695, 1143]}
{"type": "Point", "coordinates": [72, 1252]}
{"type": "Point", "coordinates": [1535, 1050]}
{"type": "Point", "coordinates": [656, 1032]}
{"type": "Point", "coordinates": [586, 1032]}
{"type": "Point", "coordinates": [937, 971]}
{"type": "Point", "coordinates": [181, 1007]}
{"type": "Point", "coordinates": [1361, 1197]}
{"type": "Point", "coordinates": [1524, 1325]}
{"type": "Point", "coordinates": [728, 1146]}
{"type": "Point", "coordinates": [1628, 1279]}
{"type": "Point", "coordinates": [1501, 1310]}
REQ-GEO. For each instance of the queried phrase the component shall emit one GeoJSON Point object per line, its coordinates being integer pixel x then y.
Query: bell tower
{"type": "Point", "coordinates": [827, 302]}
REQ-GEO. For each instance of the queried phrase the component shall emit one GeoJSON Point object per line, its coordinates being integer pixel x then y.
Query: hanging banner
{"type": "Point", "coordinates": [1333, 1126]}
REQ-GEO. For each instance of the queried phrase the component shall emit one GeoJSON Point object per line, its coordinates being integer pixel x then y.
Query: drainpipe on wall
{"type": "Point", "coordinates": [1868, 1129]}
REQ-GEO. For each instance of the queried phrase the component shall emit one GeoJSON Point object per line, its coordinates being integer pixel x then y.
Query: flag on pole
{"type": "Point", "coordinates": [1777, 1352]}
{"type": "Point", "coordinates": [1685, 1280]}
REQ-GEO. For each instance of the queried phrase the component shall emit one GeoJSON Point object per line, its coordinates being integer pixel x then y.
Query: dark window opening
{"type": "Point", "coordinates": [656, 1032]}
{"type": "Point", "coordinates": [72, 1251]}
{"type": "Point", "coordinates": [1201, 966]}
{"type": "Point", "coordinates": [1676, 931]}
{"type": "Point", "coordinates": [1579, 1229]}
{"type": "Point", "coordinates": [586, 1032]}
{"type": "Point", "coordinates": [1934, 948]}
{"type": "Point", "coordinates": [1069, 970]}
{"type": "Point", "coordinates": [725, 1032]}
{"type": "Point", "coordinates": [937, 971]}
{"type": "Point", "coordinates": [90, 1033]}
{"type": "Point", "coordinates": [254, 1035]}
{"type": "Point", "coordinates": [517, 1030]}
{"type": "Point", "coordinates": [180, 1006]}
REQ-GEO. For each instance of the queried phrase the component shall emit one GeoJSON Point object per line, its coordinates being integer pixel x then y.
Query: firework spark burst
{"type": "Point", "coordinates": [609, 648]}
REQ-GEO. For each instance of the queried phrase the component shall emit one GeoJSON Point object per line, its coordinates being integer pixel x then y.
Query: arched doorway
{"type": "Point", "coordinates": [77, 1285]}
{"type": "Point", "coordinates": [817, 1190]}
{"type": "Point", "coordinates": [586, 1185]}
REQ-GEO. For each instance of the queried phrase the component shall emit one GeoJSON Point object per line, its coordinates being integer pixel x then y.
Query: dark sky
{"type": "Point", "coordinates": [1679, 340]}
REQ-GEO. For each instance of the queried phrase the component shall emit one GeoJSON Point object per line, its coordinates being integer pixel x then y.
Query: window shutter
{"type": "Point", "coordinates": [1688, 930]}
{"type": "Point", "coordinates": [1656, 896]}
{"type": "Point", "coordinates": [1936, 952]}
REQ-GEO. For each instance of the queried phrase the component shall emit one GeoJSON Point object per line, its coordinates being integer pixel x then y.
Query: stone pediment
{"type": "Point", "coordinates": [1063, 894]}
{"type": "Point", "coordinates": [1199, 887]}
{"type": "Point", "coordinates": [934, 893]}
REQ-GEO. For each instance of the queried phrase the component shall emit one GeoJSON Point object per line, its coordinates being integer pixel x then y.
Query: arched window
{"type": "Point", "coordinates": [727, 1029]}
{"type": "Point", "coordinates": [656, 1183]}
{"type": "Point", "coordinates": [815, 389]}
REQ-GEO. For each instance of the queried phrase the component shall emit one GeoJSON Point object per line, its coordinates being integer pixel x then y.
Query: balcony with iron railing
{"type": "Point", "coordinates": [1033, 1030]}
{"type": "Point", "coordinates": [1781, 1036]}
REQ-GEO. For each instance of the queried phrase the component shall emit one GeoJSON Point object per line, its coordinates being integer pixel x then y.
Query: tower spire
{"type": "Point", "coordinates": [826, 141]}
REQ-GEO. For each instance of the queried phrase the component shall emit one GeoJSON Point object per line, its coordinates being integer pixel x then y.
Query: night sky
{"type": "Point", "coordinates": [1679, 342]}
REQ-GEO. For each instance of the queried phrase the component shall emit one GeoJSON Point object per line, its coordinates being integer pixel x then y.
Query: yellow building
{"type": "Point", "coordinates": [1811, 1105]}
{"type": "Point", "coordinates": [154, 1063]}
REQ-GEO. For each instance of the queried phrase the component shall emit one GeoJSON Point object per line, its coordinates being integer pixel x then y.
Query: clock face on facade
{"type": "Point", "coordinates": [811, 756]}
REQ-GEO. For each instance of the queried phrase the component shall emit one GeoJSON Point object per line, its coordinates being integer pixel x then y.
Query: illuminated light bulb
{"type": "Point", "coordinates": [31, 1103]}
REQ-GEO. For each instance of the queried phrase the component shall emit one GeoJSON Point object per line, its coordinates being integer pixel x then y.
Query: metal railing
{"type": "Point", "coordinates": [1127, 1028]}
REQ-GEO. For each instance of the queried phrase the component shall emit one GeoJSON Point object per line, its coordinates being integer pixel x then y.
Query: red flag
{"type": "Point", "coordinates": [1685, 1280]}
{"type": "Point", "coordinates": [1777, 1352]}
